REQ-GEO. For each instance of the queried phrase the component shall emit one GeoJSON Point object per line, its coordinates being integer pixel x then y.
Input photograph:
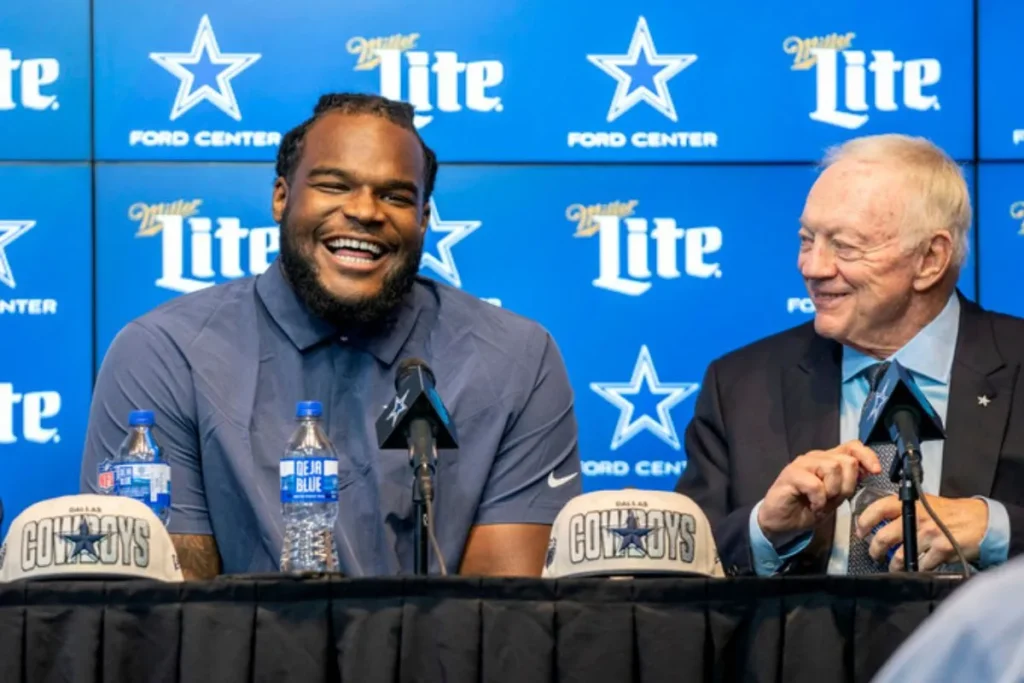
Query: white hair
{"type": "Point", "coordinates": [938, 197]}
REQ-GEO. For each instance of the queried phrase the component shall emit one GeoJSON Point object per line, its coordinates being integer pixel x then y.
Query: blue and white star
{"type": "Point", "coordinates": [84, 541]}
{"type": "Point", "coordinates": [10, 231]}
{"type": "Point", "coordinates": [453, 232]}
{"type": "Point", "coordinates": [644, 373]}
{"type": "Point", "coordinates": [880, 397]}
{"type": "Point", "coordinates": [656, 70]}
{"type": "Point", "coordinates": [633, 535]}
{"type": "Point", "coordinates": [398, 408]}
{"type": "Point", "coordinates": [223, 96]}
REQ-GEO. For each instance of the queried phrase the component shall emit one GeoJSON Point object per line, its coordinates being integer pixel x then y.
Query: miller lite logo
{"type": "Point", "coordinates": [411, 75]}
{"type": "Point", "coordinates": [850, 83]}
{"type": "Point", "coordinates": [1017, 213]}
{"type": "Point", "coordinates": [198, 252]}
{"type": "Point", "coordinates": [36, 408]}
{"type": "Point", "coordinates": [32, 75]}
{"type": "Point", "coordinates": [624, 240]}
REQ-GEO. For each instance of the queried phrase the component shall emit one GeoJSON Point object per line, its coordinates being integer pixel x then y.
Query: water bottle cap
{"type": "Point", "coordinates": [309, 409]}
{"type": "Point", "coordinates": [140, 418]}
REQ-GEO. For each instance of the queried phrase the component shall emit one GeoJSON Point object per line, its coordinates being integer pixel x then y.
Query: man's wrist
{"type": "Point", "coordinates": [778, 538]}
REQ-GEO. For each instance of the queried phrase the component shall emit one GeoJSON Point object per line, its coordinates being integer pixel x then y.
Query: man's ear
{"type": "Point", "coordinates": [936, 260]}
{"type": "Point", "coordinates": [425, 221]}
{"type": "Point", "coordinates": [279, 199]}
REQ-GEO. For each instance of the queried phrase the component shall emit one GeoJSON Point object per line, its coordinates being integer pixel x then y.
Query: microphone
{"type": "Point", "coordinates": [900, 414]}
{"type": "Point", "coordinates": [416, 416]}
{"type": "Point", "coordinates": [417, 420]}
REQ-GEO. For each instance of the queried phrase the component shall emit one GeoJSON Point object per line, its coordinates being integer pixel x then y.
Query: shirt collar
{"type": "Point", "coordinates": [929, 354]}
{"type": "Point", "coordinates": [306, 330]}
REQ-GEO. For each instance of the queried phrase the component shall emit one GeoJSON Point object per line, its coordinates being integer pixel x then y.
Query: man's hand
{"type": "Point", "coordinates": [966, 519]}
{"type": "Point", "coordinates": [198, 556]}
{"type": "Point", "coordinates": [505, 550]}
{"type": "Point", "coordinates": [811, 487]}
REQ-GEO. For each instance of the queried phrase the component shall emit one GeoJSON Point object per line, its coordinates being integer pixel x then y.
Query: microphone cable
{"type": "Point", "coordinates": [433, 539]}
{"type": "Point", "coordinates": [939, 523]}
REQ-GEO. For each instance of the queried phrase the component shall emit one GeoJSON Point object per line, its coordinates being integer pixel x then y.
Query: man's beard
{"type": "Point", "coordinates": [371, 314]}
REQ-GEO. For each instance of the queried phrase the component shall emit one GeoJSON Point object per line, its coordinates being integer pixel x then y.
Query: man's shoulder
{"type": "Point", "coordinates": [781, 348]}
{"type": "Point", "coordinates": [464, 317]}
{"type": "Point", "coordinates": [182, 319]}
{"type": "Point", "coordinates": [1008, 331]}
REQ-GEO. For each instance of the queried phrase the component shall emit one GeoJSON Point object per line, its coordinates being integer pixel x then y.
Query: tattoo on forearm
{"type": "Point", "coordinates": [198, 556]}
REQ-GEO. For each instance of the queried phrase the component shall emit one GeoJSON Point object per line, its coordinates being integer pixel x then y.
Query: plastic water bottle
{"type": "Point", "coordinates": [309, 495]}
{"type": "Point", "coordinates": [139, 470]}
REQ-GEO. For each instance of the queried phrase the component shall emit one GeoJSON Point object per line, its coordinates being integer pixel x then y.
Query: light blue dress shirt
{"type": "Point", "coordinates": [929, 359]}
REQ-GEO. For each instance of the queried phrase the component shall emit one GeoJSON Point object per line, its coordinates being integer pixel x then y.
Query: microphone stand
{"type": "Point", "coordinates": [421, 447]}
{"type": "Point", "coordinates": [909, 495]}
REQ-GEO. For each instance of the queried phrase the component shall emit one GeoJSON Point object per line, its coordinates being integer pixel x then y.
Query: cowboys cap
{"type": "Point", "coordinates": [632, 532]}
{"type": "Point", "coordinates": [88, 536]}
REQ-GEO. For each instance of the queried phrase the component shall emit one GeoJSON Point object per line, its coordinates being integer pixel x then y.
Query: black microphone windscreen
{"type": "Point", "coordinates": [410, 365]}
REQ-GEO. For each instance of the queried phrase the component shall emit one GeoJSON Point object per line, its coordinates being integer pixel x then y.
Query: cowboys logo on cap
{"type": "Point", "coordinates": [88, 536]}
{"type": "Point", "coordinates": [630, 533]}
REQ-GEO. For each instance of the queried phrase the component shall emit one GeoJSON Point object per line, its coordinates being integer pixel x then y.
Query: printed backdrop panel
{"type": "Point", "coordinates": [534, 80]}
{"type": "Point", "coordinates": [44, 80]}
{"type": "Point", "coordinates": [1000, 96]}
{"type": "Point", "coordinates": [641, 285]}
{"type": "Point", "coordinates": [1001, 243]}
{"type": "Point", "coordinates": [45, 330]}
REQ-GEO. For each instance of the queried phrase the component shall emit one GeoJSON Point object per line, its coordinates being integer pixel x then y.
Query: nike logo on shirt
{"type": "Point", "coordinates": [554, 482]}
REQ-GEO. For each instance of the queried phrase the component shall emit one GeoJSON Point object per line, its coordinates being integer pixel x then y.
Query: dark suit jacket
{"type": "Point", "coordinates": [767, 403]}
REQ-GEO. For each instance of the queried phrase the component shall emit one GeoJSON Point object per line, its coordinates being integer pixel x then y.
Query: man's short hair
{"type": "Point", "coordinates": [939, 196]}
{"type": "Point", "coordinates": [399, 113]}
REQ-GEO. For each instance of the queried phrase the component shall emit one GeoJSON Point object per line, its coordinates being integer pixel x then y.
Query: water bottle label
{"type": "Point", "coordinates": [146, 482]}
{"type": "Point", "coordinates": [105, 476]}
{"type": "Point", "coordinates": [309, 480]}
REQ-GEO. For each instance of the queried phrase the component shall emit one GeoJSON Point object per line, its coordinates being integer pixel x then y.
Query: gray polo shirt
{"type": "Point", "coordinates": [223, 368]}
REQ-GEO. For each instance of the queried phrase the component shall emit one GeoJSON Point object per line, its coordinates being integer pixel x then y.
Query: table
{"type": "Point", "coordinates": [400, 630]}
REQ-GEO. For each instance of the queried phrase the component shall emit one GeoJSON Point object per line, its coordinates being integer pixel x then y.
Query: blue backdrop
{"type": "Point", "coordinates": [137, 140]}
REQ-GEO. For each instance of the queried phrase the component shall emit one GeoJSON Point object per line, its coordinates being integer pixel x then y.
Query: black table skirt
{"type": "Point", "coordinates": [332, 629]}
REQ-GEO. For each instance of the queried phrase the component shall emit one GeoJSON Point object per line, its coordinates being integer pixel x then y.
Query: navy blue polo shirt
{"type": "Point", "coordinates": [223, 368]}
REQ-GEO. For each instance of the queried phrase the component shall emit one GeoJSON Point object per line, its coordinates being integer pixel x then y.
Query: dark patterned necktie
{"type": "Point", "coordinates": [859, 561]}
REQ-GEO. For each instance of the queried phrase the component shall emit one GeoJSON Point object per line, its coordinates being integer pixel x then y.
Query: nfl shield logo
{"type": "Point", "coordinates": [105, 476]}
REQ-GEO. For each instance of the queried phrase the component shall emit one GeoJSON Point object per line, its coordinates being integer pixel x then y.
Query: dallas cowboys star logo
{"type": "Point", "coordinates": [632, 535]}
{"type": "Point", "coordinates": [205, 43]}
{"type": "Point", "coordinates": [398, 408]}
{"type": "Point", "coordinates": [84, 541]}
{"type": "Point", "coordinates": [644, 373]}
{"type": "Point", "coordinates": [879, 401]}
{"type": "Point", "coordinates": [10, 231]}
{"type": "Point", "coordinates": [655, 73]}
{"type": "Point", "coordinates": [453, 232]}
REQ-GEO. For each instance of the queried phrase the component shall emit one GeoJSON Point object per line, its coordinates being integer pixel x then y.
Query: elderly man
{"type": "Point", "coordinates": [773, 455]}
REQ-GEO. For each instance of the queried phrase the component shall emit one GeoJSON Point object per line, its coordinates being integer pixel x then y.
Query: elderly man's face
{"type": "Point", "coordinates": [856, 268]}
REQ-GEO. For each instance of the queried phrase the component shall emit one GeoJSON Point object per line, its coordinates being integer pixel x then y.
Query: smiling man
{"type": "Point", "coordinates": [330, 320]}
{"type": "Point", "coordinates": [773, 453]}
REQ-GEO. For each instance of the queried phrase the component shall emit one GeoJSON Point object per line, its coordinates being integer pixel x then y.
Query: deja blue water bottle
{"type": "Point", "coordinates": [309, 495]}
{"type": "Point", "coordinates": [139, 470]}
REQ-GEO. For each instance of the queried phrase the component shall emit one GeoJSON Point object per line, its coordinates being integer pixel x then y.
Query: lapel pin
{"type": "Point", "coordinates": [983, 401]}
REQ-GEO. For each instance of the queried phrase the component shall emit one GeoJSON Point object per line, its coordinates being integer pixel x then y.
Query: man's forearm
{"type": "Point", "coordinates": [198, 556]}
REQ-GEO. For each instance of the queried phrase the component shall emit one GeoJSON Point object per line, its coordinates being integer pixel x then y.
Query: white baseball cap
{"type": "Point", "coordinates": [629, 533]}
{"type": "Point", "coordinates": [88, 536]}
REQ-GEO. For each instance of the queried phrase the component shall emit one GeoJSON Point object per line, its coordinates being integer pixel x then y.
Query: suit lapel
{"type": "Point", "coordinates": [974, 432]}
{"type": "Point", "coordinates": [811, 395]}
